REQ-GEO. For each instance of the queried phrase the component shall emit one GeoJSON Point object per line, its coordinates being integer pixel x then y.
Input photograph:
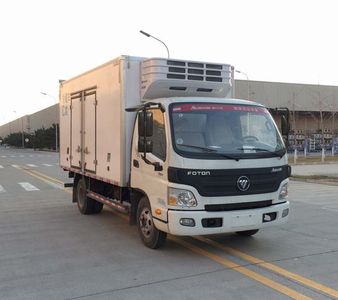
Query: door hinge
{"type": "Point", "coordinates": [95, 161]}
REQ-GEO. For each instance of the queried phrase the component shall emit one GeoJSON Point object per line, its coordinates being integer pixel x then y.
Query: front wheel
{"type": "Point", "coordinates": [247, 232]}
{"type": "Point", "coordinates": [150, 235]}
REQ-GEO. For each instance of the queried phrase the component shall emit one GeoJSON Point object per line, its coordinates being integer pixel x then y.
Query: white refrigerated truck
{"type": "Point", "coordinates": [164, 141]}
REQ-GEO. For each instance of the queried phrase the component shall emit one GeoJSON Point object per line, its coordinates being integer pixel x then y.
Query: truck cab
{"type": "Point", "coordinates": [208, 166]}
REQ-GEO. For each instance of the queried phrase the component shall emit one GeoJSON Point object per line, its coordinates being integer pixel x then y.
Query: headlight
{"type": "Point", "coordinates": [283, 192]}
{"type": "Point", "coordinates": [177, 197]}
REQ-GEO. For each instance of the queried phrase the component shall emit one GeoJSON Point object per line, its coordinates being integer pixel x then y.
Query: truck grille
{"type": "Point", "coordinates": [219, 183]}
{"type": "Point", "coordinates": [238, 206]}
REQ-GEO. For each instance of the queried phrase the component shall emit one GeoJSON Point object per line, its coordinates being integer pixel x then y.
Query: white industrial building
{"type": "Point", "coordinates": [42, 119]}
{"type": "Point", "coordinates": [313, 109]}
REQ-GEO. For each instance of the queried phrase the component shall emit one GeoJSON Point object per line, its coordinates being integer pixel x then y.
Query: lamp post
{"type": "Point", "coordinates": [149, 35]}
{"type": "Point", "coordinates": [56, 125]}
{"type": "Point", "coordinates": [247, 80]}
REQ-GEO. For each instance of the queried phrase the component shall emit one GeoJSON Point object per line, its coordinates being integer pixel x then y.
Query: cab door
{"type": "Point", "coordinates": [144, 174]}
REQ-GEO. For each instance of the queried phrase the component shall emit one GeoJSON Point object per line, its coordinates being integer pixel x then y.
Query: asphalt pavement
{"type": "Point", "coordinates": [48, 250]}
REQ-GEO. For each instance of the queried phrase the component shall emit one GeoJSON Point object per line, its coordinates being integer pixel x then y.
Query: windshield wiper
{"type": "Point", "coordinates": [279, 153]}
{"type": "Point", "coordinates": [205, 149]}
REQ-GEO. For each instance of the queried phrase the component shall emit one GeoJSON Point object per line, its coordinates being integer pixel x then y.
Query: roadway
{"type": "Point", "coordinates": [48, 250]}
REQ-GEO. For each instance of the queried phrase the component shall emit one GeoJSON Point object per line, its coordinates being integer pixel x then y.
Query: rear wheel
{"type": "Point", "coordinates": [247, 232]}
{"type": "Point", "coordinates": [87, 206]}
{"type": "Point", "coordinates": [98, 207]}
{"type": "Point", "coordinates": [150, 235]}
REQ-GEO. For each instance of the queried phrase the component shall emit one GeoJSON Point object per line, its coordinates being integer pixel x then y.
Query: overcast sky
{"type": "Point", "coordinates": [44, 41]}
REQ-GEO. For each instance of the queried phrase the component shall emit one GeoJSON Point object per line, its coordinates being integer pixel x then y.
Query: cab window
{"type": "Point", "coordinates": [159, 137]}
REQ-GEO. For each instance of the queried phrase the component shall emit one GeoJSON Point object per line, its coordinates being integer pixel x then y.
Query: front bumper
{"type": "Point", "coordinates": [232, 221]}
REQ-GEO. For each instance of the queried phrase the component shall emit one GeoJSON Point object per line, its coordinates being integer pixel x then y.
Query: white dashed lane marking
{"type": "Point", "coordinates": [31, 165]}
{"type": "Point", "coordinates": [2, 190]}
{"type": "Point", "coordinates": [28, 187]}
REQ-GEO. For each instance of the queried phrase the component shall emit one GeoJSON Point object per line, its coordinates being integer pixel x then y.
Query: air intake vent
{"type": "Point", "coordinates": [196, 68]}
{"type": "Point", "coordinates": [175, 63]}
{"type": "Point", "coordinates": [178, 88]}
{"type": "Point", "coordinates": [159, 76]}
{"type": "Point", "coordinates": [176, 70]}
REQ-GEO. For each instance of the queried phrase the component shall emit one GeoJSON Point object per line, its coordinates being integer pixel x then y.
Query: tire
{"type": "Point", "coordinates": [86, 205]}
{"type": "Point", "coordinates": [247, 232]}
{"type": "Point", "coordinates": [98, 207]}
{"type": "Point", "coordinates": [149, 234]}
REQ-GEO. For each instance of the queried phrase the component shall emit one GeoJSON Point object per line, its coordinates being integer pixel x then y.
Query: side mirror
{"type": "Point", "coordinates": [145, 147]}
{"type": "Point", "coordinates": [285, 125]}
{"type": "Point", "coordinates": [145, 126]}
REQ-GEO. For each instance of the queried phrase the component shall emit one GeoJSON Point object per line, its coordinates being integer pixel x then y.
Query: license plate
{"type": "Point", "coordinates": [244, 220]}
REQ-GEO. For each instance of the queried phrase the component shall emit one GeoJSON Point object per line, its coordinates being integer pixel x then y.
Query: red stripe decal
{"type": "Point", "coordinates": [218, 107]}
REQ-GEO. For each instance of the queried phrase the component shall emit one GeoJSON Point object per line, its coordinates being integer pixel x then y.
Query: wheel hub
{"type": "Point", "coordinates": [146, 223]}
{"type": "Point", "coordinates": [81, 195]}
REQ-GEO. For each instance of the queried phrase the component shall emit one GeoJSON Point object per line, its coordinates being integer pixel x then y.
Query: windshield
{"type": "Point", "coordinates": [227, 130]}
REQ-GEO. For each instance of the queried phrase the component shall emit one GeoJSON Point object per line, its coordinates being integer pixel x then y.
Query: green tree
{"type": "Point", "coordinates": [41, 138]}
